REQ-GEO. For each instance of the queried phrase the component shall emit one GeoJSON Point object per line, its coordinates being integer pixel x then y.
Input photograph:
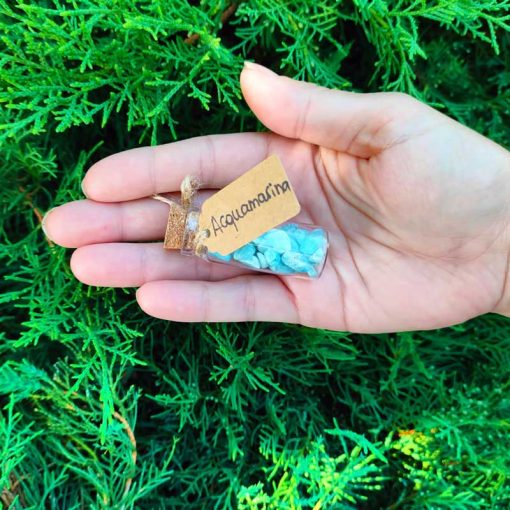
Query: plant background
{"type": "Point", "coordinates": [104, 407]}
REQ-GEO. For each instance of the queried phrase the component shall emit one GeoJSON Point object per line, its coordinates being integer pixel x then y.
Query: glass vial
{"type": "Point", "coordinates": [291, 249]}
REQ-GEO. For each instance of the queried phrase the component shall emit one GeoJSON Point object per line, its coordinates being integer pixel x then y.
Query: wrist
{"type": "Point", "coordinates": [503, 304]}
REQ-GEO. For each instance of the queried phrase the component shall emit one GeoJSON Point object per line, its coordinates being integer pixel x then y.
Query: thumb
{"type": "Point", "coordinates": [360, 124]}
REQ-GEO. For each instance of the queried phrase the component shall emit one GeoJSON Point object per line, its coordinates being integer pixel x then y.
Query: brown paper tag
{"type": "Point", "coordinates": [254, 203]}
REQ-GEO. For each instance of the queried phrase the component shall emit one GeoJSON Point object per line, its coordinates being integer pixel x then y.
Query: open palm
{"type": "Point", "coordinates": [417, 208]}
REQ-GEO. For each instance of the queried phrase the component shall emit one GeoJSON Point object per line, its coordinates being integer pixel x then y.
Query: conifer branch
{"type": "Point", "coordinates": [28, 200]}
{"type": "Point", "coordinates": [8, 496]}
{"type": "Point", "coordinates": [225, 15]}
{"type": "Point", "coordinates": [134, 453]}
{"type": "Point", "coordinates": [248, 416]}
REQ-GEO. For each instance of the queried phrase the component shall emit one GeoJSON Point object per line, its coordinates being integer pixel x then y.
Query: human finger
{"type": "Point", "coordinates": [132, 265]}
{"type": "Point", "coordinates": [216, 160]}
{"type": "Point", "coordinates": [359, 124]}
{"type": "Point", "coordinates": [243, 298]}
{"type": "Point", "coordinates": [87, 222]}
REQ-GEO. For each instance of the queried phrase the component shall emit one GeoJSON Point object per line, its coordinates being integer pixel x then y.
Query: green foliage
{"type": "Point", "coordinates": [394, 29]}
{"type": "Point", "coordinates": [308, 477]}
{"type": "Point", "coordinates": [103, 407]}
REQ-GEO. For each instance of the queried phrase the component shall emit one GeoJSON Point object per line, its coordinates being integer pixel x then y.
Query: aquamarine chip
{"type": "Point", "coordinates": [272, 258]}
{"type": "Point", "coordinates": [262, 260]}
{"type": "Point", "coordinates": [313, 241]}
{"type": "Point", "coordinates": [318, 255]}
{"type": "Point", "coordinates": [273, 239]}
{"type": "Point", "coordinates": [294, 245]}
{"type": "Point", "coordinates": [281, 268]}
{"type": "Point", "coordinates": [246, 252]}
{"type": "Point", "coordinates": [252, 262]}
{"type": "Point", "coordinates": [313, 273]}
{"type": "Point", "coordinates": [299, 235]}
{"type": "Point", "coordinates": [297, 261]}
{"type": "Point", "coordinates": [290, 228]}
{"type": "Point", "coordinates": [287, 249]}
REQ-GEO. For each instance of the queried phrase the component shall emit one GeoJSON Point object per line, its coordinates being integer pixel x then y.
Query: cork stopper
{"type": "Point", "coordinates": [176, 223]}
{"type": "Point", "coordinates": [182, 224]}
{"type": "Point", "coordinates": [175, 227]}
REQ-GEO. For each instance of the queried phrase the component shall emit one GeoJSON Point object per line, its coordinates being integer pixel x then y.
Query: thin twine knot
{"type": "Point", "coordinates": [189, 188]}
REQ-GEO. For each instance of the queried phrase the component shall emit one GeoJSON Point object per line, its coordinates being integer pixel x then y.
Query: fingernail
{"type": "Point", "coordinates": [43, 222]}
{"type": "Point", "coordinates": [83, 188]}
{"type": "Point", "coordinates": [251, 66]}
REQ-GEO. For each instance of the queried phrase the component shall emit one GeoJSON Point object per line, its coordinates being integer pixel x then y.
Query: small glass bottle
{"type": "Point", "coordinates": [290, 249]}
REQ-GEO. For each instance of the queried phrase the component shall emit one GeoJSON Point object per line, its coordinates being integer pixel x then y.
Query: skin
{"type": "Point", "coordinates": [416, 204]}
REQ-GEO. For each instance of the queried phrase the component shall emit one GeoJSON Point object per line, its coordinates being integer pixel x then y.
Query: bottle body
{"type": "Point", "coordinates": [291, 249]}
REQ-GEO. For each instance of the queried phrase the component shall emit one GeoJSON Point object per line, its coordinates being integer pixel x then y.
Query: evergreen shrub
{"type": "Point", "coordinates": [104, 407]}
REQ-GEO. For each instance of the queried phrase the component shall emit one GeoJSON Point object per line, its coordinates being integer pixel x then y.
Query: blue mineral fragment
{"type": "Point", "coordinates": [318, 255]}
{"type": "Point", "coordinates": [288, 249]}
{"type": "Point", "coordinates": [313, 241]}
{"type": "Point", "coordinates": [246, 252]}
{"type": "Point", "coordinates": [294, 245]}
{"type": "Point", "coordinates": [252, 262]}
{"type": "Point", "coordinates": [273, 239]}
{"type": "Point", "coordinates": [246, 255]}
{"type": "Point", "coordinates": [297, 261]}
{"type": "Point", "coordinates": [298, 235]}
{"type": "Point", "coordinates": [282, 268]}
{"type": "Point", "coordinates": [262, 260]}
{"type": "Point", "coordinates": [272, 258]}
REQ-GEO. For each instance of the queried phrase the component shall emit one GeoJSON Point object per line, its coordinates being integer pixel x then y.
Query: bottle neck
{"type": "Point", "coordinates": [189, 236]}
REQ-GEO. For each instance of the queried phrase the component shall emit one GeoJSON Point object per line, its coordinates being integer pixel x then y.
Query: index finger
{"type": "Point", "coordinates": [216, 160]}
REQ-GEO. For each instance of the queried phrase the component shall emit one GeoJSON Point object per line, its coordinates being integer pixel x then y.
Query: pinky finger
{"type": "Point", "coordinates": [240, 299]}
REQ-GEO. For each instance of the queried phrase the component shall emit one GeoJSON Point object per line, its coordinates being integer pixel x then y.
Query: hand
{"type": "Point", "coordinates": [417, 207]}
